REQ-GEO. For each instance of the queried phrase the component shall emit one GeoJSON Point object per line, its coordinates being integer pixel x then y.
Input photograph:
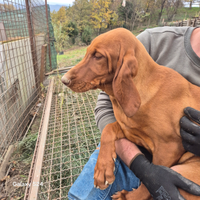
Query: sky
{"type": "Point", "coordinates": [61, 2]}
{"type": "Point", "coordinates": [67, 2]}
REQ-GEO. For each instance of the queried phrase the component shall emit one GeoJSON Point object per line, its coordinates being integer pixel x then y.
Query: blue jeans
{"type": "Point", "coordinates": [83, 187]}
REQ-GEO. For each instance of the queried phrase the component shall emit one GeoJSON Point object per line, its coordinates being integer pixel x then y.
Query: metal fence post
{"type": "Point", "coordinates": [33, 50]}
{"type": "Point", "coordinates": [48, 35]}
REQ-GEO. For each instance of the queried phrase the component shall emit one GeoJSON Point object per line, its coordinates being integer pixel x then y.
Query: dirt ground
{"type": "Point", "coordinates": [12, 186]}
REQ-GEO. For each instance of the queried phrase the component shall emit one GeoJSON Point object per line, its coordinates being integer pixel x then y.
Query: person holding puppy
{"type": "Point", "coordinates": [177, 48]}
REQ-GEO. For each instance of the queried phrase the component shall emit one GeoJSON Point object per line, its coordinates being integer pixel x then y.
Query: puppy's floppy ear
{"type": "Point", "coordinates": [109, 61]}
{"type": "Point", "coordinates": [124, 88]}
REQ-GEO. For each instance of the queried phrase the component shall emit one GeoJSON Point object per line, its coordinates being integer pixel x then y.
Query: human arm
{"type": "Point", "coordinates": [104, 111]}
{"type": "Point", "coordinates": [158, 179]}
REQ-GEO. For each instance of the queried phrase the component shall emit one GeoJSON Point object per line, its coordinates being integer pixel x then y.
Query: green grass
{"type": "Point", "coordinates": [26, 147]}
{"type": "Point", "coordinates": [183, 13]}
{"type": "Point", "coordinates": [71, 57]}
{"type": "Point", "coordinates": [137, 31]}
{"type": "Point", "coordinates": [140, 29]}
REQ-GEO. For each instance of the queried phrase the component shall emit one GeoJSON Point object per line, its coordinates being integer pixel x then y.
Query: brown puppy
{"type": "Point", "coordinates": [148, 102]}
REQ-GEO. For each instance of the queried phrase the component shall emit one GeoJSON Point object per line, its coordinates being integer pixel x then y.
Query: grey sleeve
{"type": "Point", "coordinates": [104, 111]}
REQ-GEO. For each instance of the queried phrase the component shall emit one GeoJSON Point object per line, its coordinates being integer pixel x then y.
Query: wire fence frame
{"type": "Point", "coordinates": [23, 32]}
{"type": "Point", "coordinates": [71, 137]}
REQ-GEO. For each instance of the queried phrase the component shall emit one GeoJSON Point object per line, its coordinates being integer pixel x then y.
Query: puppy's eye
{"type": "Point", "coordinates": [98, 55]}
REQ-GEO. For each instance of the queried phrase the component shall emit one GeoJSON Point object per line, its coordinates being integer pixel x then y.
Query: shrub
{"type": "Point", "coordinates": [71, 30]}
{"type": "Point", "coordinates": [87, 35]}
{"type": "Point", "coordinates": [26, 147]}
{"type": "Point", "coordinates": [62, 40]}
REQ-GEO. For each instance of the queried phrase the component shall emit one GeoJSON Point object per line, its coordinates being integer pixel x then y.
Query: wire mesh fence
{"type": "Point", "coordinates": [23, 32]}
{"type": "Point", "coordinates": [71, 138]}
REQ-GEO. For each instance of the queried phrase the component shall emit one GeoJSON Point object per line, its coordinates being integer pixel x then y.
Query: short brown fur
{"type": "Point", "coordinates": [148, 102]}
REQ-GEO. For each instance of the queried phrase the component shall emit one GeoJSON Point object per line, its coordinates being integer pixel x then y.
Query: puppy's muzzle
{"type": "Point", "coordinates": [66, 80]}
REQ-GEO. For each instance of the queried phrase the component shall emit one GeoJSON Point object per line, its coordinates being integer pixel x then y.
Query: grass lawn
{"type": "Point", "coordinates": [71, 57]}
{"type": "Point", "coordinates": [184, 13]}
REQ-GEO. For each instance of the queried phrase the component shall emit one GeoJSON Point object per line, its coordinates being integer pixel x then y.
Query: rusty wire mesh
{"type": "Point", "coordinates": [72, 137]}
{"type": "Point", "coordinates": [23, 32]}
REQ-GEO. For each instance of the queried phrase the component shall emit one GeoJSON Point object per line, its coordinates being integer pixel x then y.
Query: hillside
{"type": "Point", "coordinates": [56, 7]}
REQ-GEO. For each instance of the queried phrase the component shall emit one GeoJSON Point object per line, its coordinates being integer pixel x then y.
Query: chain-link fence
{"type": "Point", "coordinates": [24, 31]}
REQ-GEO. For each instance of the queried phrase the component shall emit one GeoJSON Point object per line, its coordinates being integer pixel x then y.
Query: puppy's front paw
{"type": "Point", "coordinates": [104, 169]}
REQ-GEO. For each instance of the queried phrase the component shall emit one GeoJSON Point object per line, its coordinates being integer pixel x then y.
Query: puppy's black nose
{"type": "Point", "coordinates": [65, 80]}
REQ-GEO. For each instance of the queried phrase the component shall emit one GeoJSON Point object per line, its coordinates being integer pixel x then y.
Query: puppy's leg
{"type": "Point", "coordinates": [104, 169]}
{"type": "Point", "coordinates": [137, 194]}
{"type": "Point", "coordinates": [190, 170]}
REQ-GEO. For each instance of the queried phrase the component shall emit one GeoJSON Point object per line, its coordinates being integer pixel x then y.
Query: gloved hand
{"type": "Point", "coordinates": [162, 182]}
{"type": "Point", "coordinates": [190, 131]}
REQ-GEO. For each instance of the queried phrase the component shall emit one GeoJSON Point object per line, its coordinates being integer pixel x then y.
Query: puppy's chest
{"type": "Point", "coordinates": [140, 123]}
{"type": "Point", "coordinates": [140, 120]}
{"type": "Point", "coordinates": [131, 126]}
{"type": "Point", "coordinates": [148, 124]}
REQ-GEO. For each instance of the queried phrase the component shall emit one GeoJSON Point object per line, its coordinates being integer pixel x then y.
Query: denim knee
{"type": "Point", "coordinates": [83, 188]}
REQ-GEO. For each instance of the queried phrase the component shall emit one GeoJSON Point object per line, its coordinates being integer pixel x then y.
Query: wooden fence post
{"type": "Point", "coordinates": [188, 22]}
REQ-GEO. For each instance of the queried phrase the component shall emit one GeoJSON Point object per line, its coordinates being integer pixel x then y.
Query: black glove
{"type": "Point", "coordinates": [190, 131]}
{"type": "Point", "coordinates": [162, 182]}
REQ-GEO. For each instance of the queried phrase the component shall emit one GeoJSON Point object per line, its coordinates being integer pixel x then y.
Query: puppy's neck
{"type": "Point", "coordinates": [146, 65]}
{"type": "Point", "coordinates": [149, 75]}
{"type": "Point", "coordinates": [107, 88]}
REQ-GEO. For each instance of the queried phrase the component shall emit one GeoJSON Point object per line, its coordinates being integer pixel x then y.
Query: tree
{"type": "Point", "coordinates": [172, 7]}
{"type": "Point", "coordinates": [82, 13]}
{"type": "Point", "coordinates": [53, 16]}
{"type": "Point", "coordinates": [70, 12]}
{"type": "Point", "coordinates": [126, 12]}
{"type": "Point", "coordinates": [71, 30]}
{"type": "Point", "coordinates": [161, 4]}
{"type": "Point", "coordinates": [133, 12]}
{"type": "Point", "coordinates": [190, 2]}
{"type": "Point", "coordinates": [6, 7]}
{"type": "Point", "coordinates": [101, 14]}
{"type": "Point", "coordinates": [61, 39]}
{"type": "Point", "coordinates": [59, 17]}
{"type": "Point", "coordinates": [113, 20]}
{"type": "Point", "coordinates": [87, 35]}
